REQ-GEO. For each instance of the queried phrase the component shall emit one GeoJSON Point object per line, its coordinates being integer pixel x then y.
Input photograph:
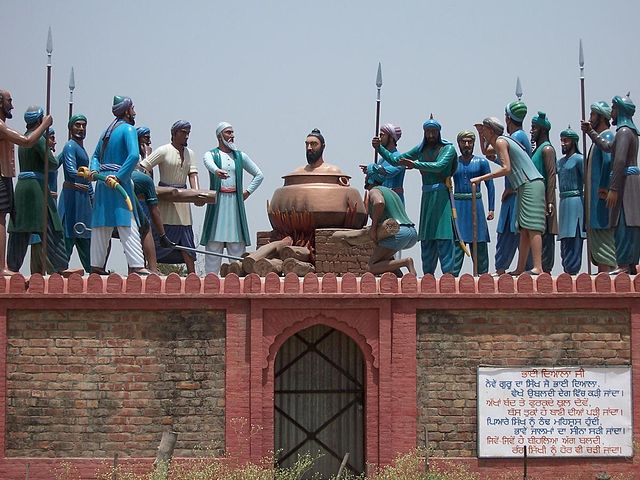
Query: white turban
{"type": "Point", "coordinates": [221, 127]}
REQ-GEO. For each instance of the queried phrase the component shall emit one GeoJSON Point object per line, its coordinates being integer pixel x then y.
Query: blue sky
{"type": "Point", "coordinates": [277, 69]}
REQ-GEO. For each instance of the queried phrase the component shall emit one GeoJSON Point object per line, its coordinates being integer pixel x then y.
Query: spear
{"type": "Point", "coordinates": [45, 203]}
{"type": "Point", "coordinates": [518, 88]}
{"type": "Point", "coordinates": [379, 85]}
{"type": "Point", "coordinates": [587, 198]}
{"type": "Point", "coordinates": [72, 87]}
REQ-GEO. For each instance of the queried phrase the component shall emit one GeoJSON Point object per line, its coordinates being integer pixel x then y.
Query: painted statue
{"type": "Point", "coordinates": [529, 184]}
{"type": "Point", "coordinates": [508, 237]}
{"type": "Point", "coordinates": [623, 196]}
{"type": "Point", "coordinates": [600, 235]}
{"type": "Point", "coordinates": [176, 163]}
{"type": "Point", "coordinates": [544, 158]}
{"type": "Point", "coordinates": [436, 160]}
{"type": "Point", "coordinates": [29, 198]}
{"type": "Point", "coordinates": [391, 176]}
{"type": "Point", "coordinates": [225, 222]}
{"type": "Point", "coordinates": [571, 229]}
{"type": "Point", "coordinates": [383, 203]}
{"type": "Point", "coordinates": [471, 166]}
{"type": "Point", "coordinates": [9, 138]}
{"type": "Point", "coordinates": [76, 198]}
{"type": "Point", "coordinates": [116, 156]}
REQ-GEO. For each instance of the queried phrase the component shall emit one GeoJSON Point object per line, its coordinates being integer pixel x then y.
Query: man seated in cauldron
{"type": "Point", "coordinates": [314, 145]}
{"type": "Point", "coordinates": [383, 203]}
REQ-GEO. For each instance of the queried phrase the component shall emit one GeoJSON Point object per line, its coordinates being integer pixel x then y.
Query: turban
{"type": "Point", "coordinates": [76, 118]}
{"type": "Point", "coordinates": [180, 125]}
{"type": "Point", "coordinates": [142, 131]}
{"type": "Point", "coordinates": [494, 124]}
{"type": "Point", "coordinates": [33, 114]}
{"type": "Point", "coordinates": [431, 123]}
{"type": "Point", "coordinates": [316, 133]}
{"type": "Point", "coordinates": [626, 109]}
{"type": "Point", "coordinates": [568, 133]}
{"type": "Point", "coordinates": [391, 130]}
{"type": "Point", "coordinates": [121, 105]}
{"type": "Point", "coordinates": [516, 111]}
{"type": "Point", "coordinates": [541, 120]}
{"type": "Point", "coordinates": [222, 126]}
{"type": "Point", "coordinates": [466, 134]}
{"type": "Point", "coordinates": [602, 108]}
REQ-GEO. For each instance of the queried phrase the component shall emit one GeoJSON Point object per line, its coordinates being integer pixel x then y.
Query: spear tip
{"type": "Point", "coordinates": [581, 56]}
{"type": "Point", "coordinates": [72, 80]}
{"type": "Point", "coordinates": [379, 76]}
{"type": "Point", "coordinates": [49, 42]}
{"type": "Point", "coordinates": [518, 88]}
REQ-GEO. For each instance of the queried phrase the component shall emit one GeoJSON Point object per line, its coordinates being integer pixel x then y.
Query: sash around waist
{"type": "Point", "coordinates": [31, 176]}
{"type": "Point", "coordinates": [433, 187]}
{"type": "Point", "coordinates": [571, 193]}
{"type": "Point", "coordinates": [466, 196]}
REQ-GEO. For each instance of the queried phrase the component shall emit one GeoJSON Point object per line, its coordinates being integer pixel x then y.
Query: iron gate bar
{"type": "Point", "coordinates": [313, 435]}
{"type": "Point", "coordinates": [300, 355]}
{"type": "Point", "coordinates": [312, 347]}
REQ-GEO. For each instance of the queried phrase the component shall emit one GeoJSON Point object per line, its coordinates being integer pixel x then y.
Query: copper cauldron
{"type": "Point", "coordinates": [310, 200]}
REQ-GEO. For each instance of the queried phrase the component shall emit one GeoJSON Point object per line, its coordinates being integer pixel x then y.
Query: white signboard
{"type": "Point", "coordinates": [555, 412]}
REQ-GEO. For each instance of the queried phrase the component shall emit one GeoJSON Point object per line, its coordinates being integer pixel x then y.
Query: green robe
{"type": "Point", "coordinates": [29, 193]}
{"type": "Point", "coordinates": [435, 165]}
{"type": "Point", "coordinates": [211, 215]}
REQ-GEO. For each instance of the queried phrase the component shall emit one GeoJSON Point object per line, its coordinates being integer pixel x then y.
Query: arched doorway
{"type": "Point", "coordinates": [319, 400]}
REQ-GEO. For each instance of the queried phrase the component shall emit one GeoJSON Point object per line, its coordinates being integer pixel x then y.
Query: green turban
{"type": "Point", "coordinates": [626, 109]}
{"type": "Point", "coordinates": [76, 118]}
{"type": "Point", "coordinates": [542, 121]}
{"type": "Point", "coordinates": [516, 111]}
{"type": "Point", "coordinates": [568, 133]}
{"type": "Point", "coordinates": [602, 108]}
{"type": "Point", "coordinates": [466, 134]}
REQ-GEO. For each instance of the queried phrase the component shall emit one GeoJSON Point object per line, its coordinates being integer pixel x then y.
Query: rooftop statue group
{"type": "Point", "coordinates": [93, 201]}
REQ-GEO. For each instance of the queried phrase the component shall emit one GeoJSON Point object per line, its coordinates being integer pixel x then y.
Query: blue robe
{"type": "Point", "coordinates": [392, 176]}
{"type": "Point", "coordinates": [75, 205]}
{"type": "Point", "coordinates": [570, 181]}
{"type": "Point", "coordinates": [600, 178]}
{"type": "Point", "coordinates": [476, 167]}
{"type": "Point", "coordinates": [110, 209]}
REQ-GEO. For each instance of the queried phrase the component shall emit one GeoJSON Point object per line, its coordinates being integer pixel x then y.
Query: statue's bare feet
{"type": "Point", "coordinates": [410, 266]}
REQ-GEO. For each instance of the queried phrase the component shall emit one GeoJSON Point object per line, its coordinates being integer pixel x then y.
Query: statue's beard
{"type": "Point", "coordinates": [312, 157]}
{"type": "Point", "coordinates": [230, 145]}
{"type": "Point", "coordinates": [7, 114]}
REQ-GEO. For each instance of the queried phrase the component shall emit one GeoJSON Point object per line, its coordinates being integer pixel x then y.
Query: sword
{"type": "Point", "coordinates": [454, 218]}
{"type": "Point", "coordinates": [79, 228]}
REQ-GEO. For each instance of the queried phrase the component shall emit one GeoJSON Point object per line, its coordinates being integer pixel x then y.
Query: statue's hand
{"type": "Point", "coordinates": [375, 142]}
{"type": "Point", "coordinates": [112, 181]}
{"type": "Point", "coordinates": [222, 173]}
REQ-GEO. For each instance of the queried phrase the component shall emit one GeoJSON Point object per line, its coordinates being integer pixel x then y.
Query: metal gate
{"type": "Point", "coordinates": [319, 400]}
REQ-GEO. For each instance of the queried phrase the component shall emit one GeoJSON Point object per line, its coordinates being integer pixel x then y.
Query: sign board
{"type": "Point", "coordinates": [555, 412]}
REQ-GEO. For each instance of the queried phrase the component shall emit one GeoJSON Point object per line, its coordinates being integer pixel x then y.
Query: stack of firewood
{"type": "Point", "coordinates": [280, 257]}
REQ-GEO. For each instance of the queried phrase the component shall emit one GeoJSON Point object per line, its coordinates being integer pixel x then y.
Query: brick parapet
{"type": "Point", "coordinates": [312, 284]}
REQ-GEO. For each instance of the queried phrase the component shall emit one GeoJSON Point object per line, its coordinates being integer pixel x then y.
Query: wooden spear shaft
{"type": "Point", "coordinates": [45, 202]}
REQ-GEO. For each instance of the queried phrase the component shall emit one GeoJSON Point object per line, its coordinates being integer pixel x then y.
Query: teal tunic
{"type": "Point", "coordinates": [435, 165]}
{"type": "Point", "coordinates": [211, 215]}
{"type": "Point", "coordinates": [29, 193]}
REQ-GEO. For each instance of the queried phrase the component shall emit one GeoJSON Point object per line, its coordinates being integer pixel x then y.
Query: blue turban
{"type": "Point", "coordinates": [431, 123]}
{"type": "Point", "coordinates": [32, 115]}
{"type": "Point", "coordinates": [626, 109]}
{"type": "Point", "coordinates": [121, 105]}
{"type": "Point", "coordinates": [602, 108]}
{"type": "Point", "coordinates": [76, 118]}
{"type": "Point", "coordinates": [142, 131]}
{"type": "Point", "coordinates": [180, 125]}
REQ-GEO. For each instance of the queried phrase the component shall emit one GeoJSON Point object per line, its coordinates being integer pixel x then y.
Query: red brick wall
{"type": "Point", "coordinates": [93, 383]}
{"type": "Point", "coordinates": [451, 345]}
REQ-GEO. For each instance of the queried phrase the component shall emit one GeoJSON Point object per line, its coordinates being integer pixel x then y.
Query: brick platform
{"type": "Point", "coordinates": [100, 365]}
